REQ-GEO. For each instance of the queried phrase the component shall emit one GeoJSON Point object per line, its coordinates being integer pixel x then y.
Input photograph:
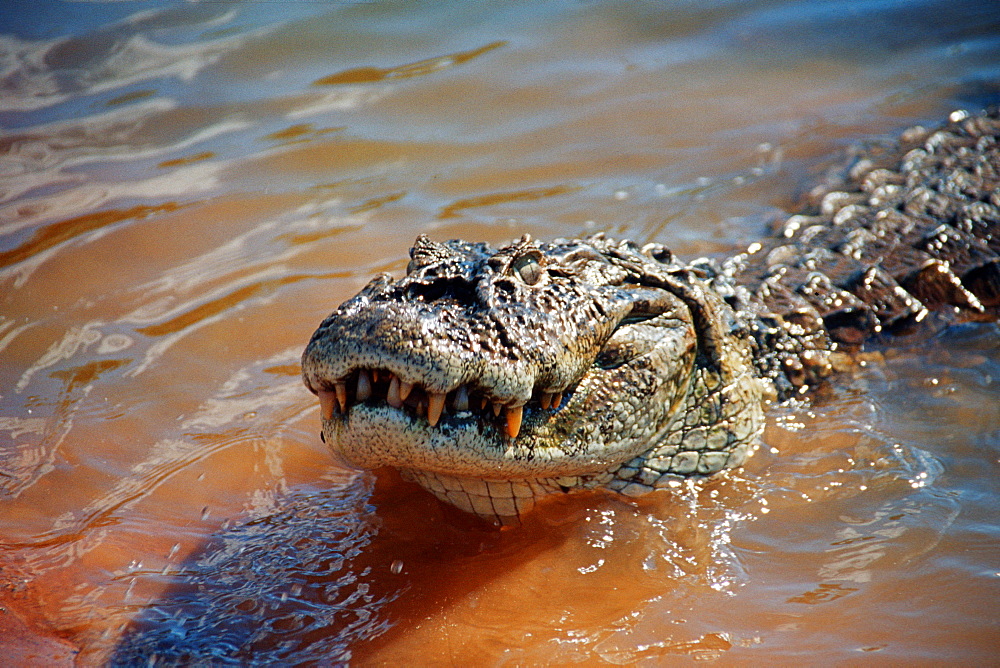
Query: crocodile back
{"type": "Point", "coordinates": [911, 229]}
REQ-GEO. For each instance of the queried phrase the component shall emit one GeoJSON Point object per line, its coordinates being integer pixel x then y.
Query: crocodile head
{"type": "Point", "coordinates": [495, 376]}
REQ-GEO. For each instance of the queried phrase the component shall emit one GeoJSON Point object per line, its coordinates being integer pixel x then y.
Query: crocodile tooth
{"type": "Point", "coordinates": [435, 404]}
{"type": "Point", "coordinates": [364, 386]}
{"type": "Point", "coordinates": [461, 401]}
{"type": "Point", "coordinates": [392, 398]}
{"type": "Point", "coordinates": [326, 400]}
{"type": "Point", "coordinates": [514, 415]}
{"type": "Point", "coordinates": [404, 390]}
{"type": "Point", "coordinates": [374, 375]}
{"type": "Point", "coordinates": [497, 408]}
{"type": "Point", "coordinates": [545, 398]}
{"type": "Point", "coordinates": [483, 402]}
{"type": "Point", "coordinates": [556, 399]}
{"type": "Point", "coordinates": [340, 387]}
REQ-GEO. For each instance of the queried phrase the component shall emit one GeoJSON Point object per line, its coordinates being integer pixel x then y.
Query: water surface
{"type": "Point", "coordinates": [187, 189]}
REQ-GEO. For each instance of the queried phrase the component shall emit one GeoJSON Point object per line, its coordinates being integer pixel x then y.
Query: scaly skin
{"type": "Point", "coordinates": [493, 377]}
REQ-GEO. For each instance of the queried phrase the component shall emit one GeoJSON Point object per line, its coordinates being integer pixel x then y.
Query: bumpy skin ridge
{"type": "Point", "coordinates": [914, 228]}
{"type": "Point", "coordinates": [494, 377]}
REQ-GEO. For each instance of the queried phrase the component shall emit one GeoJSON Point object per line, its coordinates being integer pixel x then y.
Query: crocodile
{"type": "Point", "coordinates": [494, 377]}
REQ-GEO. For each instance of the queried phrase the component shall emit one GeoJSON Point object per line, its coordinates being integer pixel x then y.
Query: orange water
{"type": "Point", "coordinates": [187, 190]}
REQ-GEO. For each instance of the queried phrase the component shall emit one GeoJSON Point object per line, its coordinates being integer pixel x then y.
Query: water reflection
{"type": "Point", "coordinates": [42, 73]}
{"type": "Point", "coordinates": [362, 75]}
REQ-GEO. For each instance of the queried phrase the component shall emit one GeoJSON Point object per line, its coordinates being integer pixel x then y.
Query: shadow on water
{"type": "Point", "coordinates": [374, 567]}
{"type": "Point", "coordinates": [325, 570]}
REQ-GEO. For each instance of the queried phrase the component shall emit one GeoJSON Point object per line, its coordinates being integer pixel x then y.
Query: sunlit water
{"type": "Point", "coordinates": [187, 189]}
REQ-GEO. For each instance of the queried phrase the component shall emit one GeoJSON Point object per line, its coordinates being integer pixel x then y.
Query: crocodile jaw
{"type": "Point", "coordinates": [565, 439]}
{"type": "Point", "coordinates": [478, 380]}
{"type": "Point", "coordinates": [470, 459]}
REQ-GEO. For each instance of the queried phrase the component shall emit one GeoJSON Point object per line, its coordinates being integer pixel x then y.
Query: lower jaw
{"type": "Point", "coordinates": [499, 501]}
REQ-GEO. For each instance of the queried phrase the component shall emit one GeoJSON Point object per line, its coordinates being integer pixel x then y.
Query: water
{"type": "Point", "coordinates": [187, 189]}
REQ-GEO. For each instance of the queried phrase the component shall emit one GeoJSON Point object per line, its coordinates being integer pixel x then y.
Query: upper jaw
{"type": "Point", "coordinates": [433, 360]}
{"type": "Point", "coordinates": [440, 347]}
{"type": "Point", "coordinates": [430, 376]}
{"type": "Point", "coordinates": [427, 376]}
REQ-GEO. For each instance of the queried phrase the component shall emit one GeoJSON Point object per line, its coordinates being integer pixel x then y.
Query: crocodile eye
{"type": "Point", "coordinates": [527, 268]}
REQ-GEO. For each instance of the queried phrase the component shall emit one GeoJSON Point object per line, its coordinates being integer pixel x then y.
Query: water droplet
{"type": "Point", "coordinates": [397, 567]}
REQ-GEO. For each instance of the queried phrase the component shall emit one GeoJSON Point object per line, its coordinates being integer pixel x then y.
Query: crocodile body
{"type": "Point", "coordinates": [494, 377]}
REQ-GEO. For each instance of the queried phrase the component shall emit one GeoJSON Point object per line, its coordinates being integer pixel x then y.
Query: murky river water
{"type": "Point", "coordinates": [187, 189]}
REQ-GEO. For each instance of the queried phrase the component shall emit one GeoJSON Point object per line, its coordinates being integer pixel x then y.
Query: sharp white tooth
{"type": "Point", "coordinates": [326, 401]}
{"type": "Point", "coordinates": [404, 390]}
{"type": "Point", "coordinates": [514, 416]}
{"type": "Point", "coordinates": [341, 389]}
{"type": "Point", "coordinates": [364, 386]}
{"type": "Point", "coordinates": [435, 404]}
{"type": "Point", "coordinates": [392, 398]}
{"type": "Point", "coordinates": [545, 398]}
{"type": "Point", "coordinates": [497, 408]}
{"type": "Point", "coordinates": [461, 402]}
